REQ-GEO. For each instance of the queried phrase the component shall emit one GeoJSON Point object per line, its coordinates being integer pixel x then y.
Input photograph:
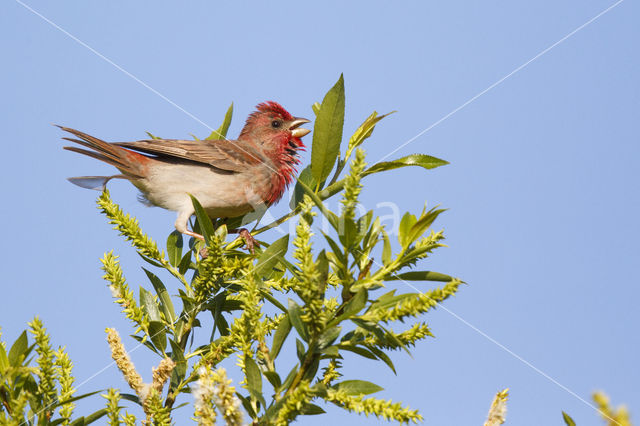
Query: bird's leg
{"type": "Point", "coordinates": [249, 241]}
{"type": "Point", "coordinates": [181, 225]}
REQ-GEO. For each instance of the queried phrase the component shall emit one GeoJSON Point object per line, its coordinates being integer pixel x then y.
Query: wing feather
{"type": "Point", "coordinates": [233, 156]}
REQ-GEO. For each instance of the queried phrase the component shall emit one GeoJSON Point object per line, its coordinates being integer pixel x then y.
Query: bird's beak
{"type": "Point", "coordinates": [297, 132]}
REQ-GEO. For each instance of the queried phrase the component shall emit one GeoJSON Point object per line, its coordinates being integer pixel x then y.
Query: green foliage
{"type": "Point", "coordinates": [325, 301]}
{"type": "Point", "coordinates": [42, 394]}
{"type": "Point", "coordinates": [319, 292]}
{"type": "Point", "coordinates": [221, 133]}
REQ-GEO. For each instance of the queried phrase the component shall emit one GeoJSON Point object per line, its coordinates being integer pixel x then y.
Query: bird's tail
{"type": "Point", "coordinates": [99, 183]}
{"type": "Point", "coordinates": [130, 163]}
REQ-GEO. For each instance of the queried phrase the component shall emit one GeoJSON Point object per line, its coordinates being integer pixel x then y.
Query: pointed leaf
{"type": "Point", "coordinates": [357, 350]}
{"type": "Point", "coordinates": [386, 249]}
{"type": "Point", "coordinates": [327, 132]}
{"type": "Point", "coordinates": [221, 133]}
{"type": "Point", "coordinates": [149, 305]}
{"type": "Point", "coordinates": [419, 276]}
{"type": "Point", "coordinates": [328, 337]}
{"type": "Point", "coordinates": [422, 160]}
{"type": "Point", "coordinates": [174, 247]}
{"type": "Point", "coordinates": [280, 336]}
{"type": "Point", "coordinates": [331, 216]}
{"type": "Point", "coordinates": [305, 177]}
{"type": "Point", "coordinates": [310, 409]}
{"type": "Point", "coordinates": [185, 263]}
{"type": "Point", "coordinates": [254, 377]}
{"type": "Point", "coordinates": [423, 223]}
{"type": "Point", "coordinates": [270, 257]}
{"type": "Point", "coordinates": [567, 419]}
{"type": "Point", "coordinates": [406, 223]}
{"type": "Point", "coordinates": [357, 387]}
{"type": "Point", "coordinates": [4, 359]}
{"type": "Point", "coordinates": [366, 129]}
{"type": "Point", "coordinates": [158, 335]}
{"type": "Point", "coordinates": [383, 356]}
{"type": "Point", "coordinates": [295, 311]}
{"type": "Point", "coordinates": [300, 350]}
{"type": "Point", "coordinates": [206, 226]}
{"type": "Point", "coordinates": [18, 348]}
{"type": "Point", "coordinates": [273, 378]}
{"type": "Point", "coordinates": [165, 299]}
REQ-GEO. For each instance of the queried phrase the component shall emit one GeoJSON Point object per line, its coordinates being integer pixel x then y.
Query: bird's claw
{"type": "Point", "coordinates": [249, 241]}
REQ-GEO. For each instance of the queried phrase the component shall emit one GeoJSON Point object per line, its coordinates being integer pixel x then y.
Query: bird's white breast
{"type": "Point", "coordinates": [222, 194]}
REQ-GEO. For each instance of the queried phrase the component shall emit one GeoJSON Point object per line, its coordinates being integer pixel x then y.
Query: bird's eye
{"type": "Point", "coordinates": [276, 124]}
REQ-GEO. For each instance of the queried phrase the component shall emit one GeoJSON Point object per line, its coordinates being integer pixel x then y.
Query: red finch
{"type": "Point", "coordinates": [229, 178]}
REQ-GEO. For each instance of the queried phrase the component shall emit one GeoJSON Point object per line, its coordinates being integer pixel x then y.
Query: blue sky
{"type": "Point", "coordinates": [542, 189]}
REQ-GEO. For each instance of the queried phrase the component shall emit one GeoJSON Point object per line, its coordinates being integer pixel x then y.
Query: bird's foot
{"type": "Point", "coordinates": [249, 241]}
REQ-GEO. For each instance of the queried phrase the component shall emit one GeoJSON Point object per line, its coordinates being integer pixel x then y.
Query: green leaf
{"type": "Point", "coordinates": [149, 305]}
{"type": "Point", "coordinates": [206, 226]}
{"type": "Point", "coordinates": [18, 349]}
{"type": "Point", "coordinates": [315, 107]}
{"type": "Point", "coordinates": [383, 356]}
{"type": "Point", "coordinates": [131, 397]}
{"type": "Point", "coordinates": [366, 129]}
{"type": "Point", "coordinates": [158, 335]}
{"type": "Point", "coordinates": [300, 350]}
{"type": "Point", "coordinates": [357, 387]}
{"type": "Point", "coordinates": [185, 263]}
{"type": "Point", "coordinates": [305, 177]}
{"type": "Point", "coordinates": [328, 337]}
{"type": "Point", "coordinates": [327, 132]}
{"type": "Point", "coordinates": [419, 276]}
{"type": "Point", "coordinates": [152, 136]}
{"type": "Point", "coordinates": [280, 336]}
{"type": "Point", "coordinates": [331, 216]}
{"type": "Point", "coordinates": [254, 378]}
{"type": "Point", "coordinates": [270, 257]}
{"type": "Point", "coordinates": [294, 316]}
{"type": "Point", "coordinates": [73, 399]}
{"type": "Point", "coordinates": [567, 419]}
{"type": "Point", "coordinates": [312, 369]}
{"type": "Point", "coordinates": [180, 370]}
{"type": "Point", "coordinates": [357, 350]}
{"type": "Point", "coordinates": [4, 359]}
{"type": "Point", "coordinates": [174, 247]}
{"type": "Point", "coordinates": [273, 378]}
{"type": "Point", "coordinates": [310, 409]}
{"type": "Point", "coordinates": [423, 223]}
{"type": "Point", "coordinates": [337, 251]}
{"type": "Point", "coordinates": [247, 406]}
{"type": "Point", "coordinates": [165, 299]}
{"type": "Point", "coordinates": [386, 249]}
{"type": "Point", "coordinates": [221, 133]}
{"type": "Point", "coordinates": [421, 160]}
{"type": "Point", "coordinates": [95, 416]}
{"type": "Point", "coordinates": [404, 230]}
{"type": "Point", "coordinates": [353, 307]}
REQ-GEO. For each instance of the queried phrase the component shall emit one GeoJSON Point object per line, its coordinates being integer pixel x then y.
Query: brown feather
{"type": "Point", "coordinates": [104, 151]}
{"type": "Point", "coordinates": [233, 156]}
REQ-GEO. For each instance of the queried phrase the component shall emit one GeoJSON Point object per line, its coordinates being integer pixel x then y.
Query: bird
{"type": "Point", "coordinates": [229, 178]}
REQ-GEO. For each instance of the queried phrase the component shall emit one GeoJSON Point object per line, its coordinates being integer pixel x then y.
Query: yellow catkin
{"type": "Point", "coordinates": [162, 373]}
{"type": "Point", "coordinates": [120, 356]}
{"type": "Point", "coordinates": [498, 411]}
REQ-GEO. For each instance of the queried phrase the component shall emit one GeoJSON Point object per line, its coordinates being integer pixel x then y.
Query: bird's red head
{"type": "Point", "coordinates": [279, 134]}
{"type": "Point", "coordinates": [273, 125]}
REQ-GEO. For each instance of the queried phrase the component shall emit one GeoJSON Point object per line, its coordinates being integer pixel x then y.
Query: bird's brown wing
{"type": "Point", "coordinates": [233, 156]}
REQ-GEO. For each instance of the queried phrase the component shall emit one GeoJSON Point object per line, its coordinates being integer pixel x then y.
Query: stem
{"type": "Point", "coordinates": [171, 396]}
{"type": "Point", "coordinates": [3, 394]}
